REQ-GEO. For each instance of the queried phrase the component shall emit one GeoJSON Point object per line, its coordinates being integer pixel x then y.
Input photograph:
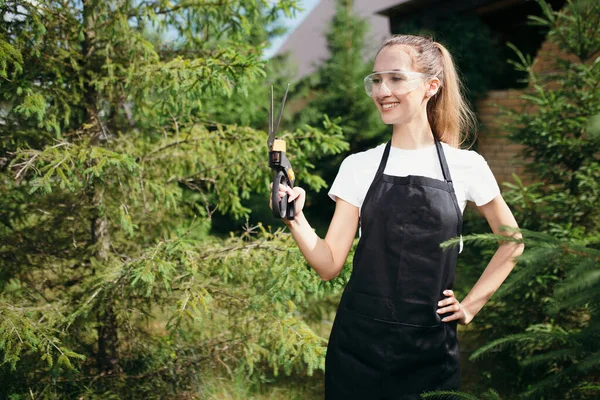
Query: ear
{"type": "Point", "coordinates": [432, 87]}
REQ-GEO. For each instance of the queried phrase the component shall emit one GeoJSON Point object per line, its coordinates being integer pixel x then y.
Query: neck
{"type": "Point", "coordinates": [416, 134]}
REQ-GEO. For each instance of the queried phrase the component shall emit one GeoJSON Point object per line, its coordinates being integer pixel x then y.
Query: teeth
{"type": "Point", "coordinates": [388, 106]}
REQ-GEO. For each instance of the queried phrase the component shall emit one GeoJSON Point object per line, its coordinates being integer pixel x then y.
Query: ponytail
{"type": "Point", "coordinates": [448, 113]}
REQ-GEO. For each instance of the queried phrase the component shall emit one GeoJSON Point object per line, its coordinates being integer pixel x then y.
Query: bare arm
{"type": "Point", "coordinates": [326, 256]}
{"type": "Point", "coordinates": [497, 214]}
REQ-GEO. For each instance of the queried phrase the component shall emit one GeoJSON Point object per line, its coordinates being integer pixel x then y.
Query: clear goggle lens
{"type": "Point", "coordinates": [392, 82]}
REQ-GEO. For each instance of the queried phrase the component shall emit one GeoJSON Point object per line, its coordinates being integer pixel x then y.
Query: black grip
{"type": "Point", "coordinates": [279, 205]}
{"type": "Point", "coordinates": [291, 210]}
{"type": "Point", "coordinates": [281, 208]}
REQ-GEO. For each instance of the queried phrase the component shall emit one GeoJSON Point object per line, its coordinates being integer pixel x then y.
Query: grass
{"type": "Point", "coordinates": [223, 387]}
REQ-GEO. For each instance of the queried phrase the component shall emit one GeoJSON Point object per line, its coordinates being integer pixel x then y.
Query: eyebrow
{"type": "Point", "coordinates": [396, 69]}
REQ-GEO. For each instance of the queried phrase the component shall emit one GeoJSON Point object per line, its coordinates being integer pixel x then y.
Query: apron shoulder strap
{"type": "Point", "coordinates": [448, 178]}
{"type": "Point", "coordinates": [384, 158]}
{"type": "Point", "coordinates": [443, 163]}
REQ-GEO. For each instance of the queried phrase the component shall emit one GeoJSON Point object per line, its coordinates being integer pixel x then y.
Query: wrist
{"type": "Point", "coordinates": [295, 222]}
{"type": "Point", "coordinates": [468, 312]}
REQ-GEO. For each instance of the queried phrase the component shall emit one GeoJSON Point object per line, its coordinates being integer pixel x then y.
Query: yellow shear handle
{"type": "Point", "coordinates": [279, 145]}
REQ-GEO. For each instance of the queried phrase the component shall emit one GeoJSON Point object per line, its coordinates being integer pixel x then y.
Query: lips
{"type": "Point", "coordinates": [389, 106]}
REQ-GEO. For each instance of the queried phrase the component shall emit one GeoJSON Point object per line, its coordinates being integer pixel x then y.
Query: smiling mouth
{"type": "Point", "coordinates": [389, 106]}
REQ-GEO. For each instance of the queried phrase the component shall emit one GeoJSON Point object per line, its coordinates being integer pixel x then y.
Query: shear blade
{"type": "Point", "coordinates": [274, 128]}
{"type": "Point", "coordinates": [271, 137]}
{"type": "Point", "coordinates": [281, 107]}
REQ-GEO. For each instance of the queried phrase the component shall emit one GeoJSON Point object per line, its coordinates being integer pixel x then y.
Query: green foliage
{"type": "Point", "coordinates": [540, 328]}
{"type": "Point", "coordinates": [564, 349]}
{"type": "Point", "coordinates": [575, 30]}
{"type": "Point", "coordinates": [559, 139]}
{"type": "Point", "coordinates": [117, 149]}
{"type": "Point", "coordinates": [454, 395]}
{"type": "Point", "coordinates": [336, 89]}
{"type": "Point", "coordinates": [9, 57]}
{"type": "Point", "coordinates": [238, 386]}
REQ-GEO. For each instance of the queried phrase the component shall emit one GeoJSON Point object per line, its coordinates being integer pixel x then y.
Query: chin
{"type": "Point", "coordinates": [398, 116]}
{"type": "Point", "coordinates": [390, 119]}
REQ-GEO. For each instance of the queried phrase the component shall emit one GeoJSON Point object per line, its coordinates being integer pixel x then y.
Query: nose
{"type": "Point", "coordinates": [381, 90]}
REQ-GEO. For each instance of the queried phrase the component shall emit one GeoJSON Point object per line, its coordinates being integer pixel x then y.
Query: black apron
{"type": "Point", "coordinates": [387, 340]}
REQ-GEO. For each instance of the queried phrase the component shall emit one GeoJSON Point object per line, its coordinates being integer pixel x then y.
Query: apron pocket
{"type": "Point", "coordinates": [399, 312]}
{"type": "Point", "coordinates": [360, 350]}
{"type": "Point", "coordinates": [420, 359]}
{"type": "Point", "coordinates": [372, 355]}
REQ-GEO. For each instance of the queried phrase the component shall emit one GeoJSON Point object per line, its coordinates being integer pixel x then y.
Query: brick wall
{"type": "Point", "coordinates": [501, 154]}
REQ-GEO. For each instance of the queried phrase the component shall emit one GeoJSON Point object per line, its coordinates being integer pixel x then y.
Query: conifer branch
{"type": "Point", "coordinates": [169, 145]}
{"type": "Point", "coordinates": [158, 9]}
{"type": "Point", "coordinates": [568, 249]}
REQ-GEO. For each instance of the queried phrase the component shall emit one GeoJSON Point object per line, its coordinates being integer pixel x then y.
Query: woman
{"type": "Point", "coordinates": [394, 335]}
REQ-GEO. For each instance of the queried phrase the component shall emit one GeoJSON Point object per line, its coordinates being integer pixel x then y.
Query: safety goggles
{"type": "Point", "coordinates": [393, 82]}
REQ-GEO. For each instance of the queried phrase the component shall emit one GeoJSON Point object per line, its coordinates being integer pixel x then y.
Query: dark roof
{"type": "Point", "coordinates": [443, 6]}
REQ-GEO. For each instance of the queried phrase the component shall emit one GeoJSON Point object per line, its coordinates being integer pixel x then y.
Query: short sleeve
{"type": "Point", "coordinates": [344, 186]}
{"type": "Point", "coordinates": [482, 187]}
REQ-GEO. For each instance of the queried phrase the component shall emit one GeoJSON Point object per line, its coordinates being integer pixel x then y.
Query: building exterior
{"type": "Point", "coordinates": [507, 19]}
{"type": "Point", "coordinates": [307, 45]}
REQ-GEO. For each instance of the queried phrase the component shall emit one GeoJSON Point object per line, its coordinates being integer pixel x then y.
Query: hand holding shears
{"type": "Point", "coordinates": [278, 161]}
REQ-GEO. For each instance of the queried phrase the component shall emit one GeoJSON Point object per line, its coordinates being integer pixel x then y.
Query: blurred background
{"type": "Point", "coordinates": [138, 255]}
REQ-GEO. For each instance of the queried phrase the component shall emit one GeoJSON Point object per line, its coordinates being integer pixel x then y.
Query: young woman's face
{"type": "Point", "coordinates": [397, 106]}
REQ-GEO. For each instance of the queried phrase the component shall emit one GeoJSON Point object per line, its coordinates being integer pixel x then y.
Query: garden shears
{"type": "Point", "coordinates": [284, 174]}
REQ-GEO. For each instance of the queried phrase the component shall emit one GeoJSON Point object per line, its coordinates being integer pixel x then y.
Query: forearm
{"type": "Point", "coordinates": [495, 273]}
{"type": "Point", "coordinates": [315, 250]}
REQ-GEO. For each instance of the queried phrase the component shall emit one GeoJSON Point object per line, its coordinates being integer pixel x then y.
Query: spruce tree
{"type": "Point", "coordinates": [114, 155]}
{"type": "Point", "coordinates": [560, 148]}
{"type": "Point", "coordinates": [545, 317]}
{"type": "Point", "coordinates": [560, 351]}
{"type": "Point", "coordinates": [336, 89]}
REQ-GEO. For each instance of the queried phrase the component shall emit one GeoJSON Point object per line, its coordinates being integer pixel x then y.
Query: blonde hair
{"type": "Point", "coordinates": [448, 113]}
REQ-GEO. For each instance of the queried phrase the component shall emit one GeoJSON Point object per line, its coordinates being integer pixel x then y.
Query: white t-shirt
{"type": "Point", "coordinates": [472, 178]}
